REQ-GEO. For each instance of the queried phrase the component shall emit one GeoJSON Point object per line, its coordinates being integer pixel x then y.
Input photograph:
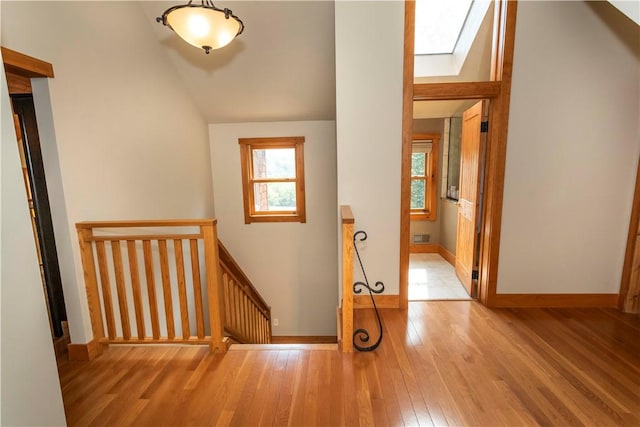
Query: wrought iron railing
{"type": "Point", "coordinates": [361, 335]}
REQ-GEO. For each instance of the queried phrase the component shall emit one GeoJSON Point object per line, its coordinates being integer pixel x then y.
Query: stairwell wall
{"type": "Point", "coordinates": [293, 265]}
{"type": "Point", "coordinates": [130, 142]}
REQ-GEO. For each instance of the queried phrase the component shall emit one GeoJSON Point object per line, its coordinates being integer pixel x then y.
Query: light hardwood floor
{"type": "Point", "coordinates": [440, 363]}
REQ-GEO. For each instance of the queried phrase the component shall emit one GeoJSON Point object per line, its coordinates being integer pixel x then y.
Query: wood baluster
{"type": "Point", "coordinates": [236, 305]}
{"type": "Point", "coordinates": [135, 287]}
{"type": "Point", "coordinates": [166, 289]}
{"type": "Point", "coordinates": [245, 312]}
{"type": "Point", "coordinates": [151, 288]}
{"type": "Point", "coordinates": [254, 336]}
{"type": "Point", "coordinates": [116, 254]}
{"type": "Point", "coordinates": [182, 289]}
{"type": "Point", "coordinates": [106, 290]}
{"type": "Point", "coordinates": [227, 305]}
{"type": "Point", "coordinates": [197, 286]}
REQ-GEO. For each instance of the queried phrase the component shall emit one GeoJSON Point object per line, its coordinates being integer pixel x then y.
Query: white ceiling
{"type": "Point", "coordinates": [282, 67]}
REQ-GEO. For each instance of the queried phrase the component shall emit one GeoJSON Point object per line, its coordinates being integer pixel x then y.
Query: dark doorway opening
{"type": "Point", "coordinates": [33, 167]}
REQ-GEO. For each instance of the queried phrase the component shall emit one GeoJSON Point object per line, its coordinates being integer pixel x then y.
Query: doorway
{"type": "Point", "coordinates": [40, 210]}
{"type": "Point", "coordinates": [434, 270]}
{"type": "Point", "coordinates": [496, 88]}
{"type": "Point", "coordinates": [19, 70]}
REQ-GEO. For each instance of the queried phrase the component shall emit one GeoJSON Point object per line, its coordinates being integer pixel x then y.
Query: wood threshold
{"type": "Point", "coordinates": [25, 65]}
{"type": "Point", "coordinates": [382, 301]}
{"type": "Point", "coordinates": [299, 339]}
{"type": "Point", "coordinates": [446, 91]}
{"type": "Point", "coordinates": [556, 300]}
{"type": "Point", "coordinates": [281, 347]}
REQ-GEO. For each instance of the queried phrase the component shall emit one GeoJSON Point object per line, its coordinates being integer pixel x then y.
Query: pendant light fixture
{"type": "Point", "coordinates": [204, 26]}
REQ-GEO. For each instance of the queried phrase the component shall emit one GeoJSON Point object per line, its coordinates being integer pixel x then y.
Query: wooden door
{"type": "Point", "coordinates": [468, 197]}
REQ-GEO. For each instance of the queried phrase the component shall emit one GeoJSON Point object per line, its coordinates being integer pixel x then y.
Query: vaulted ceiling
{"type": "Point", "coordinates": [282, 67]}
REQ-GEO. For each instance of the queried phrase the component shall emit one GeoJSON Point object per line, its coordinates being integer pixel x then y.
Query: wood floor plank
{"type": "Point", "coordinates": [274, 389]}
{"type": "Point", "coordinates": [440, 363]}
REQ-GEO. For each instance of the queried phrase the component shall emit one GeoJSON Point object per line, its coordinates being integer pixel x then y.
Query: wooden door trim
{"type": "Point", "coordinates": [630, 292]}
{"type": "Point", "coordinates": [407, 140]}
{"type": "Point", "coordinates": [499, 91]}
{"type": "Point", "coordinates": [25, 65]}
{"type": "Point", "coordinates": [446, 91]}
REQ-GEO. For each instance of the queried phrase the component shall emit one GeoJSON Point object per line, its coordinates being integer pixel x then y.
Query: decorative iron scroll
{"type": "Point", "coordinates": [361, 333]}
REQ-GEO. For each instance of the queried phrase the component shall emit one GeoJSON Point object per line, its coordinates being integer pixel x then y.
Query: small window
{"type": "Point", "coordinates": [424, 167]}
{"type": "Point", "coordinates": [273, 179]}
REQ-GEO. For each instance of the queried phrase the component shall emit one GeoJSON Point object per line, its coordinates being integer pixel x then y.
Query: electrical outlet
{"type": "Point", "coordinates": [275, 322]}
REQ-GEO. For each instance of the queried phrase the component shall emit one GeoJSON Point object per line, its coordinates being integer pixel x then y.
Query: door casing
{"type": "Point", "coordinates": [498, 91]}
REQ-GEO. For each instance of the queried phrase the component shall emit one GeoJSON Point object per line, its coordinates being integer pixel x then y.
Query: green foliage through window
{"type": "Point", "coordinates": [417, 193]}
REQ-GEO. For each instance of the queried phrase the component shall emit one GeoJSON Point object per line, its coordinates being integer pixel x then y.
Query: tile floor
{"type": "Point", "coordinates": [431, 277]}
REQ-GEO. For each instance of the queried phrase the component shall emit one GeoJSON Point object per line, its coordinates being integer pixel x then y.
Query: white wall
{"type": "Point", "coordinates": [572, 150]}
{"type": "Point", "coordinates": [293, 265]}
{"type": "Point", "coordinates": [29, 378]}
{"type": "Point", "coordinates": [130, 143]}
{"type": "Point", "coordinates": [369, 55]}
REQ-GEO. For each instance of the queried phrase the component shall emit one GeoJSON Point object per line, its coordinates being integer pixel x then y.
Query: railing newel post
{"type": "Point", "coordinates": [347, 278]}
{"type": "Point", "coordinates": [215, 293]}
{"type": "Point", "coordinates": [91, 282]}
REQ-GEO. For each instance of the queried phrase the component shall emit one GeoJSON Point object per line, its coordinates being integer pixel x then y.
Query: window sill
{"type": "Point", "coordinates": [422, 216]}
{"type": "Point", "coordinates": [275, 218]}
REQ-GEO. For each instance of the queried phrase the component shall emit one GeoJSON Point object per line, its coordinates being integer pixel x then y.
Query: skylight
{"type": "Point", "coordinates": [438, 25]}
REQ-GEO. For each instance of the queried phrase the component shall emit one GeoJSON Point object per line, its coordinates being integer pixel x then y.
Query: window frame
{"type": "Point", "coordinates": [247, 145]}
{"type": "Point", "coordinates": [430, 177]}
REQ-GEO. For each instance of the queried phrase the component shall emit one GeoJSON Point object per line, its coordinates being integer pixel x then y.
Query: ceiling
{"type": "Point", "coordinates": [281, 68]}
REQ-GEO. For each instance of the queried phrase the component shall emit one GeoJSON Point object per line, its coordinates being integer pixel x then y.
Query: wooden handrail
{"type": "Point", "coordinates": [347, 220]}
{"type": "Point", "coordinates": [146, 223]}
{"type": "Point", "coordinates": [227, 259]}
{"type": "Point", "coordinates": [247, 315]}
{"type": "Point", "coordinates": [149, 288]}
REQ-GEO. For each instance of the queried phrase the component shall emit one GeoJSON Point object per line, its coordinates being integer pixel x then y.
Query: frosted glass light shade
{"type": "Point", "coordinates": [205, 27]}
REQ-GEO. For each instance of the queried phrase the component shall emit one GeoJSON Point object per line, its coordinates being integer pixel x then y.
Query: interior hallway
{"type": "Point", "coordinates": [431, 277]}
{"type": "Point", "coordinates": [443, 363]}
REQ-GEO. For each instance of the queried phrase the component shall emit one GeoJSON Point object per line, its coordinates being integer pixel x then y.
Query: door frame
{"type": "Point", "coordinates": [498, 91]}
{"type": "Point", "coordinates": [19, 70]}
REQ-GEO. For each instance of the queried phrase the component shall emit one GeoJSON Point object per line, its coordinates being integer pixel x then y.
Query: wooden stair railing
{"type": "Point", "coordinates": [247, 317]}
{"type": "Point", "coordinates": [141, 297]}
{"type": "Point", "coordinates": [346, 334]}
